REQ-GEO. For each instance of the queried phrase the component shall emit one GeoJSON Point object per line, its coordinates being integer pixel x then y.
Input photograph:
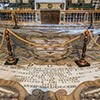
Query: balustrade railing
{"type": "Point", "coordinates": [74, 17]}
{"type": "Point", "coordinates": [5, 15]}
{"type": "Point", "coordinates": [21, 16]}
{"type": "Point", "coordinates": [96, 16]}
{"type": "Point", "coordinates": [70, 16]}
{"type": "Point", "coordinates": [82, 16]}
{"type": "Point", "coordinates": [25, 16]}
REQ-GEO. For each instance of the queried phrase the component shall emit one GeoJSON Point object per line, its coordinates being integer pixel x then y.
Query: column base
{"type": "Point", "coordinates": [82, 63]}
{"type": "Point", "coordinates": [15, 27]}
{"type": "Point", "coordinates": [11, 62]}
{"type": "Point", "coordinates": [91, 27]}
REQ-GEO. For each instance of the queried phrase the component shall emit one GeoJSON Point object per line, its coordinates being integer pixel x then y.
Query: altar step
{"type": "Point", "coordinates": [55, 27]}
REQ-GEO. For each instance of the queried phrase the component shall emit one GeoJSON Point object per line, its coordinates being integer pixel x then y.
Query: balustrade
{"type": "Point", "coordinates": [5, 16]}
{"type": "Point", "coordinates": [71, 16]}
{"type": "Point", "coordinates": [97, 16]}
{"type": "Point", "coordinates": [83, 16]}
{"type": "Point", "coordinates": [75, 17]}
{"type": "Point", "coordinates": [25, 16]}
{"type": "Point", "coordinates": [21, 16]}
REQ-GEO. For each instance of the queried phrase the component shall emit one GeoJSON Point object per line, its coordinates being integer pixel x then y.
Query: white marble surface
{"type": "Point", "coordinates": [50, 77]}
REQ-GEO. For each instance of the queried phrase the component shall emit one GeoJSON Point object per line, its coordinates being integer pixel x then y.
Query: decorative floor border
{"type": "Point", "coordinates": [58, 95]}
